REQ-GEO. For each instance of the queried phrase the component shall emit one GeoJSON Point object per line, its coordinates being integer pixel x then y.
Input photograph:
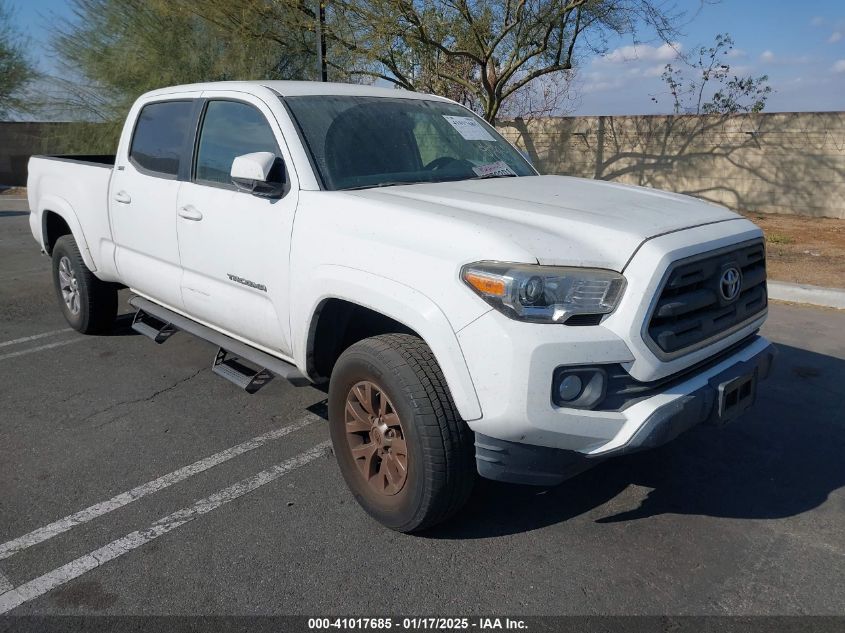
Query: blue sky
{"type": "Point", "coordinates": [800, 46]}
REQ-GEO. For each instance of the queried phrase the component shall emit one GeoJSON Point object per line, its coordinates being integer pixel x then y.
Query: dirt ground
{"type": "Point", "coordinates": [804, 250]}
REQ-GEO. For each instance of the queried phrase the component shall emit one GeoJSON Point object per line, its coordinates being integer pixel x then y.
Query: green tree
{"type": "Point", "coordinates": [707, 86]}
{"type": "Point", "coordinates": [17, 71]}
{"type": "Point", "coordinates": [111, 51]}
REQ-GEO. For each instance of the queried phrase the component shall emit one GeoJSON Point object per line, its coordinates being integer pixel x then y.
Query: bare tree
{"type": "Point", "coordinates": [488, 52]}
{"type": "Point", "coordinates": [706, 85]}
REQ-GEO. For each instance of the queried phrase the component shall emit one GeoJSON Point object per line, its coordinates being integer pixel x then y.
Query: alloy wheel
{"type": "Point", "coordinates": [376, 438]}
{"type": "Point", "coordinates": [69, 285]}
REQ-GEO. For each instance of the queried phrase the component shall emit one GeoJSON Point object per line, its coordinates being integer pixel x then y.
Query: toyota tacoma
{"type": "Point", "coordinates": [468, 315]}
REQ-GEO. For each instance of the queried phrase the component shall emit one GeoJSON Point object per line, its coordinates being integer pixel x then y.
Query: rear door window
{"type": "Point", "coordinates": [159, 138]}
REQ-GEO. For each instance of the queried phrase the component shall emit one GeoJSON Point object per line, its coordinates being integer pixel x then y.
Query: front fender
{"type": "Point", "coordinates": [399, 302]}
{"type": "Point", "coordinates": [62, 208]}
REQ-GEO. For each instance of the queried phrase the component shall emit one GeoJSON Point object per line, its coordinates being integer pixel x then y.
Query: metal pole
{"type": "Point", "coordinates": [322, 68]}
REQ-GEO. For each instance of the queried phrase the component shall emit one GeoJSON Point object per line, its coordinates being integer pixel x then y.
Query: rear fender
{"type": "Point", "coordinates": [61, 207]}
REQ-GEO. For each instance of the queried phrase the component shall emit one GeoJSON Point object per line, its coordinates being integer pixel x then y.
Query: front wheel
{"type": "Point", "coordinates": [88, 304]}
{"type": "Point", "coordinates": [402, 448]}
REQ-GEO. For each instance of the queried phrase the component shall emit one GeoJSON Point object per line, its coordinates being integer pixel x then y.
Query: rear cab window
{"type": "Point", "coordinates": [158, 141]}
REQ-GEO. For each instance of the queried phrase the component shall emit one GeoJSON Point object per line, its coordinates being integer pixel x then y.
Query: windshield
{"type": "Point", "coordinates": [360, 142]}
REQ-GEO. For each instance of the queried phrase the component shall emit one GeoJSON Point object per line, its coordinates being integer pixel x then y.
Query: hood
{"type": "Point", "coordinates": [562, 220]}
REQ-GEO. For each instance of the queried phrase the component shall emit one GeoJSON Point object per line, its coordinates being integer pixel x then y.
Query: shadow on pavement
{"type": "Point", "coordinates": [122, 326]}
{"type": "Point", "coordinates": [12, 214]}
{"type": "Point", "coordinates": [784, 458]}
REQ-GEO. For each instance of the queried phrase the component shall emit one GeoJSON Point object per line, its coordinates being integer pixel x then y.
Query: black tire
{"type": "Point", "coordinates": [96, 301]}
{"type": "Point", "coordinates": [440, 446]}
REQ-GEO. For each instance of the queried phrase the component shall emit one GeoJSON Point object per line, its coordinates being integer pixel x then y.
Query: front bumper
{"type": "Point", "coordinates": [661, 418]}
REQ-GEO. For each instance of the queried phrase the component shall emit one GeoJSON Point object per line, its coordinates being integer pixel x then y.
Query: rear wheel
{"type": "Point", "coordinates": [88, 304]}
{"type": "Point", "coordinates": [403, 450]}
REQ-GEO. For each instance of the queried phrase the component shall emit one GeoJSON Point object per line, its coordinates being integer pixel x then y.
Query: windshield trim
{"type": "Point", "coordinates": [319, 176]}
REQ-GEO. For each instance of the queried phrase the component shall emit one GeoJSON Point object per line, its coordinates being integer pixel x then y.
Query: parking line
{"type": "Point", "coordinates": [5, 584]}
{"type": "Point", "coordinates": [10, 548]}
{"type": "Point", "coordinates": [40, 348]}
{"type": "Point", "coordinates": [87, 562]}
{"type": "Point", "coordinates": [34, 337]}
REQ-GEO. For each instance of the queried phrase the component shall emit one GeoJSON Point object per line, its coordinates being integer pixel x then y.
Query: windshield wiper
{"type": "Point", "coordinates": [389, 183]}
{"type": "Point", "coordinates": [394, 183]}
{"type": "Point", "coordinates": [494, 176]}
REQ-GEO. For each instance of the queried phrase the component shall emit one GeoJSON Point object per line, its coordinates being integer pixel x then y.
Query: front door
{"type": "Point", "coordinates": [142, 198]}
{"type": "Point", "coordinates": [235, 245]}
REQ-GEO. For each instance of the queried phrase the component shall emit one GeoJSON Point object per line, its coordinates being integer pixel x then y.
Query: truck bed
{"type": "Point", "coordinates": [76, 189]}
{"type": "Point", "coordinates": [97, 160]}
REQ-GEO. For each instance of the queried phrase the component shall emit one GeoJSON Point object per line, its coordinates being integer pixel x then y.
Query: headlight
{"type": "Point", "coordinates": [544, 294]}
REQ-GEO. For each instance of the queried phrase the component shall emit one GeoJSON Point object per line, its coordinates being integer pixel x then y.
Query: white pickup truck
{"type": "Point", "coordinates": [468, 315]}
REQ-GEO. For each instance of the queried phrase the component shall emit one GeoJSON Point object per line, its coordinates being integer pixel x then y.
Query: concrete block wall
{"type": "Point", "coordinates": [790, 163]}
{"type": "Point", "coordinates": [20, 140]}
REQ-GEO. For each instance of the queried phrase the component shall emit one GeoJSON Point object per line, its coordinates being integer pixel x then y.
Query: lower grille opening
{"type": "Point", "coordinates": [584, 319]}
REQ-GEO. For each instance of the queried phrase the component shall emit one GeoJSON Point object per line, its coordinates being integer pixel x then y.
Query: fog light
{"type": "Point", "coordinates": [570, 387]}
{"type": "Point", "coordinates": [579, 387]}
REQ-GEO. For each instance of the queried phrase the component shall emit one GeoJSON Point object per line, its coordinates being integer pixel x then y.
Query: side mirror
{"type": "Point", "coordinates": [259, 173]}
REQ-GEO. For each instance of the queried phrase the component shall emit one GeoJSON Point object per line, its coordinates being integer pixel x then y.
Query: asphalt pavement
{"type": "Point", "coordinates": [135, 481]}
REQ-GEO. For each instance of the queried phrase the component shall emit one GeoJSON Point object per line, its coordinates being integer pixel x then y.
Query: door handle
{"type": "Point", "coordinates": [190, 212]}
{"type": "Point", "coordinates": [122, 197]}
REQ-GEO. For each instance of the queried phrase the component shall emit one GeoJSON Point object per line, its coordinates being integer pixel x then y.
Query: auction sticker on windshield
{"type": "Point", "coordinates": [469, 128]}
{"type": "Point", "coordinates": [499, 168]}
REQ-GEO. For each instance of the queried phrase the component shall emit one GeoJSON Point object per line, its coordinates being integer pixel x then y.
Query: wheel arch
{"type": "Point", "coordinates": [57, 218]}
{"type": "Point", "coordinates": [336, 325]}
{"type": "Point", "coordinates": [356, 304]}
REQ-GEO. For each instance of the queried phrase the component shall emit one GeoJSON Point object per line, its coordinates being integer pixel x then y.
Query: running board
{"type": "Point", "coordinates": [152, 327]}
{"type": "Point", "coordinates": [232, 369]}
{"type": "Point", "coordinates": [232, 349]}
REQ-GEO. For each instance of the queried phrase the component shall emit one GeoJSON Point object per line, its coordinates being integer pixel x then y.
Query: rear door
{"type": "Point", "coordinates": [142, 199]}
{"type": "Point", "coordinates": [235, 245]}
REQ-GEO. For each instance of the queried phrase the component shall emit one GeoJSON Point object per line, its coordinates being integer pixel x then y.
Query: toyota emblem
{"type": "Point", "coordinates": [730, 284]}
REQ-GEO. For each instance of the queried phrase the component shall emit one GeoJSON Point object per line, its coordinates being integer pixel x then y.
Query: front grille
{"type": "Point", "coordinates": [692, 308]}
